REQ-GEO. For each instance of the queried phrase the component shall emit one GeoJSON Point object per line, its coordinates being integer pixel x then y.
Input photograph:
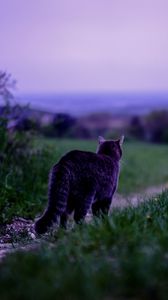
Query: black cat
{"type": "Point", "coordinates": [81, 180]}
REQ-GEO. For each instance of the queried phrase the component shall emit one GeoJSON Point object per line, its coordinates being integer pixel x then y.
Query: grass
{"type": "Point", "coordinates": [125, 256]}
{"type": "Point", "coordinates": [24, 177]}
{"type": "Point", "coordinates": [142, 164]}
{"type": "Point", "coordinates": [23, 182]}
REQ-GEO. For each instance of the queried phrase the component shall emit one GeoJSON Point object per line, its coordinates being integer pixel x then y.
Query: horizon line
{"type": "Point", "coordinates": [84, 92]}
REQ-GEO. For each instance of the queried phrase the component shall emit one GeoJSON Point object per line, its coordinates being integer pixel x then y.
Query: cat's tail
{"type": "Point", "coordinates": [58, 192]}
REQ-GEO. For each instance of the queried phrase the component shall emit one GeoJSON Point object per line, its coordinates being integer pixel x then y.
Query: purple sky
{"type": "Point", "coordinates": [85, 45]}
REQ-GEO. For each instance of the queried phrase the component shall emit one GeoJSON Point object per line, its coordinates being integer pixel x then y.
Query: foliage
{"type": "Point", "coordinates": [149, 128]}
{"type": "Point", "coordinates": [20, 163]}
{"type": "Point", "coordinates": [136, 128]}
{"type": "Point", "coordinates": [7, 84]}
{"type": "Point", "coordinates": [21, 186]}
{"type": "Point", "coordinates": [157, 126]}
{"type": "Point", "coordinates": [122, 257]}
{"type": "Point", "coordinates": [25, 123]}
{"type": "Point", "coordinates": [26, 161]}
{"type": "Point", "coordinates": [152, 127]}
{"type": "Point", "coordinates": [62, 124]}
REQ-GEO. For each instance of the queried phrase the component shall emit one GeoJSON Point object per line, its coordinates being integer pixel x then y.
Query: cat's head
{"type": "Point", "coordinates": [112, 148]}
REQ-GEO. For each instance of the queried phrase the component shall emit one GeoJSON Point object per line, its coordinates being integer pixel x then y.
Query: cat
{"type": "Point", "coordinates": [82, 180]}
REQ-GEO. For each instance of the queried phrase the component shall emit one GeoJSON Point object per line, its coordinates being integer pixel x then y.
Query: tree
{"type": "Point", "coordinates": [136, 128]}
{"type": "Point", "coordinates": [157, 126]}
{"type": "Point", "coordinates": [63, 123]}
{"type": "Point", "coordinates": [7, 84]}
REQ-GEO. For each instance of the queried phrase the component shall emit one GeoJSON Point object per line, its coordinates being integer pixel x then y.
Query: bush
{"type": "Point", "coordinates": [23, 165]}
{"type": "Point", "coordinates": [62, 124]}
{"type": "Point", "coordinates": [136, 128]}
{"type": "Point", "coordinates": [157, 126]}
{"type": "Point", "coordinates": [23, 175]}
{"type": "Point", "coordinates": [151, 128]}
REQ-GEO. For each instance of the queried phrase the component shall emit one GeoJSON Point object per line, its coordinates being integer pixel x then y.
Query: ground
{"type": "Point", "coordinates": [20, 234]}
{"type": "Point", "coordinates": [123, 256]}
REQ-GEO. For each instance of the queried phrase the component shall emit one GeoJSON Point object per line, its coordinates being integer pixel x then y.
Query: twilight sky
{"type": "Point", "coordinates": [85, 45]}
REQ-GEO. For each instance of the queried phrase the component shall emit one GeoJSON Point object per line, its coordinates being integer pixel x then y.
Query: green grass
{"type": "Point", "coordinates": [142, 164]}
{"type": "Point", "coordinates": [24, 176]}
{"type": "Point", "coordinates": [123, 257]}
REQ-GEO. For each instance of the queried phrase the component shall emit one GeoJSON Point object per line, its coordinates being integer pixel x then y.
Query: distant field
{"type": "Point", "coordinates": [86, 103]}
{"type": "Point", "coordinates": [142, 164]}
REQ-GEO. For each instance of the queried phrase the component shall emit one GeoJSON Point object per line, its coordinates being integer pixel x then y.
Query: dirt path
{"type": "Point", "coordinates": [21, 227]}
{"type": "Point", "coordinates": [136, 198]}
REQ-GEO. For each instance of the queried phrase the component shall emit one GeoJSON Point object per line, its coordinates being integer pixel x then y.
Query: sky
{"type": "Point", "coordinates": [85, 45]}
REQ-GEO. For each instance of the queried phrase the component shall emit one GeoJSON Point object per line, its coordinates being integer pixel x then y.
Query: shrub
{"type": "Point", "coordinates": [23, 165]}
{"type": "Point", "coordinates": [157, 126]}
{"type": "Point", "coordinates": [136, 128]}
{"type": "Point", "coordinates": [63, 123]}
{"type": "Point", "coordinates": [23, 175]}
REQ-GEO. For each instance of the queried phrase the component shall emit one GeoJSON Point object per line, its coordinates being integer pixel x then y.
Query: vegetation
{"type": "Point", "coordinates": [142, 164]}
{"type": "Point", "coordinates": [122, 257]}
{"type": "Point", "coordinates": [7, 85]}
{"type": "Point", "coordinates": [26, 160]}
{"type": "Point", "coordinates": [23, 177]}
{"type": "Point", "coordinates": [151, 128]}
{"type": "Point", "coordinates": [20, 162]}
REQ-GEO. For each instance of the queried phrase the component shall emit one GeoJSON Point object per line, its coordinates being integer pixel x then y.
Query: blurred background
{"type": "Point", "coordinates": [71, 70]}
{"type": "Point", "coordinates": [86, 68]}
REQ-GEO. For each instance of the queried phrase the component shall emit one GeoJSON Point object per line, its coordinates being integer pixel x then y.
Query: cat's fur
{"type": "Point", "coordinates": [81, 180]}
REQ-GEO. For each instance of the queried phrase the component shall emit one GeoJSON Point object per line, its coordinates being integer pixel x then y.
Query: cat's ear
{"type": "Point", "coordinates": [121, 140]}
{"type": "Point", "coordinates": [101, 140]}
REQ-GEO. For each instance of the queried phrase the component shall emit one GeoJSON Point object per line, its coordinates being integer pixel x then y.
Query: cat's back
{"type": "Point", "coordinates": [88, 161]}
{"type": "Point", "coordinates": [89, 169]}
{"type": "Point", "coordinates": [78, 155]}
{"type": "Point", "coordinates": [82, 157]}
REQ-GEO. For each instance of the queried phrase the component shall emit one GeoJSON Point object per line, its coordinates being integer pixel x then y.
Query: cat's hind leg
{"type": "Point", "coordinates": [101, 207]}
{"type": "Point", "coordinates": [82, 208]}
{"type": "Point", "coordinates": [63, 220]}
{"type": "Point", "coordinates": [69, 209]}
{"type": "Point", "coordinates": [45, 222]}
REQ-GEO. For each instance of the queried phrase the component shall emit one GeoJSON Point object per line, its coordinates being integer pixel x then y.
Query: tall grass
{"type": "Point", "coordinates": [122, 257]}
{"type": "Point", "coordinates": [23, 175]}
